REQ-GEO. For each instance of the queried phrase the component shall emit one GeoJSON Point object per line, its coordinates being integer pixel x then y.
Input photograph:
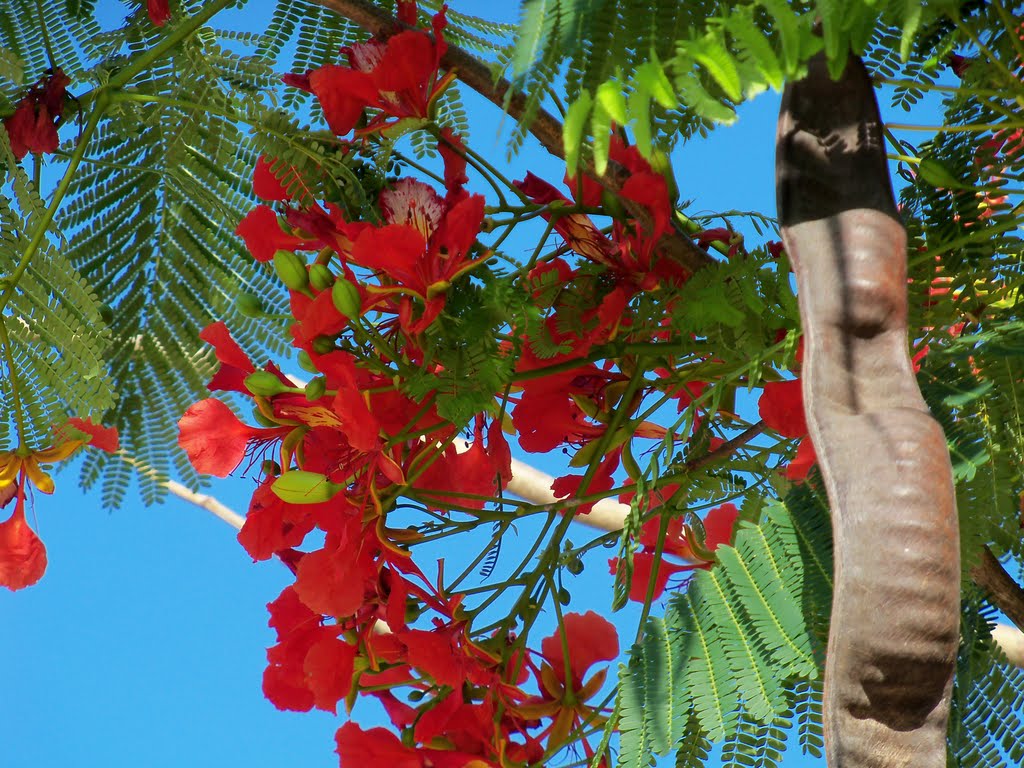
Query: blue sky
{"type": "Point", "coordinates": [143, 646]}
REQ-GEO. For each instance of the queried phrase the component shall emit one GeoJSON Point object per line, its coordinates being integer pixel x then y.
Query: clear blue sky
{"type": "Point", "coordinates": [143, 646]}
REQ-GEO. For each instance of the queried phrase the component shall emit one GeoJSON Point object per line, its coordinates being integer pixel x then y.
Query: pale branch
{"type": "Point", "coordinates": [209, 503]}
{"type": "Point", "coordinates": [1011, 642]}
{"type": "Point", "coordinates": [534, 486]}
{"type": "Point", "coordinates": [544, 126]}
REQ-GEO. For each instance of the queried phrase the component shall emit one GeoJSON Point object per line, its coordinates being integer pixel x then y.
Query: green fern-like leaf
{"type": "Point", "coordinates": [53, 320]}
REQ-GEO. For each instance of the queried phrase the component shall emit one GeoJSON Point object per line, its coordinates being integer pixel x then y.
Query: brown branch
{"type": "Point", "coordinates": [545, 127]}
{"type": "Point", "coordinates": [1003, 592]}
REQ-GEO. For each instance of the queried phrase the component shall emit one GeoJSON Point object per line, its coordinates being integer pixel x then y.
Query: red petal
{"type": "Point", "coordinates": [284, 685]}
{"type": "Point", "coordinates": [329, 666]}
{"type": "Point", "coordinates": [104, 438]}
{"type": "Point", "coordinates": [266, 185]}
{"type": "Point", "coordinates": [396, 249]}
{"type": "Point", "coordinates": [650, 191]}
{"type": "Point", "coordinates": [453, 152]}
{"type": "Point", "coordinates": [642, 564]}
{"type": "Point", "coordinates": [590, 637]}
{"type": "Point", "coordinates": [272, 525]}
{"type": "Point", "coordinates": [159, 12]}
{"type": "Point", "coordinates": [781, 407]}
{"type": "Point", "coordinates": [458, 230]}
{"type": "Point", "coordinates": [288, 613]}
{"type": "Point", "coordinates": [376, 747]}
{"type": "Point", "coordinates": [31, 129]}
{"type": "Point", "coordinates": [408, 63]}
{"type": "Point", "coordinates": [319, 317]}
{"type": "Point", "coordinates": [343, 94]}
{"type": "Point", "coordinates": [333, 581]}
{"type": "Point", "coordinates": [801, 464]}
{"type": "Point", "coordinates": [719, 524]}
{"type": "Point", "coordinates": [263, 235]}
{"type": "Point", "coordinates": [22, 554]}
{"type": "Point", "coordinates": [213, 437]}
{"type": "Point", "coordinates": [226, 348]}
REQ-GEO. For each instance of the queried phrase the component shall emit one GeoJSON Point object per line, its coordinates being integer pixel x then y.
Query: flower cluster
{"type": "Point", "coordinates": [371, 298]}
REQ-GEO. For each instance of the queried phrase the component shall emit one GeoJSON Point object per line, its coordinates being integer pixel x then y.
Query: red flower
{"type": "Point", "coordinates": [568, 486]}
{"type": "Point", "coordinates": [422, 249]}
{"type": "Point", "coordinates": [721, 235]}
{"type": "Point", "coordinates": [579, 231]}
{"type": "Point", "coordinates": [33, 126]}
{"type": "Point", "coordinates": [590, 638]}
{"type": "Point", "coordinates": [310, 666]}
{"type": "Point", "coordinates": [235, 365]}
{"type": "Point", "coordinates": [22, 554]}
{"type": "Point", "coordinates": [719, 524]}
{"type": "Point", "coordinates": [399, 76]}
{"type": "Point", "coordinates": [643, 564]}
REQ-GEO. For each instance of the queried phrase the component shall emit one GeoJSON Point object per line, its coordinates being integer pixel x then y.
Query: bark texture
{"type": "Point", "coordinates": [895, 615]}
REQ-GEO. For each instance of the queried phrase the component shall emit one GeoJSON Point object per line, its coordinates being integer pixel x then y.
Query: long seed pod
{"type": "Point", "coordinates": [895, 614]}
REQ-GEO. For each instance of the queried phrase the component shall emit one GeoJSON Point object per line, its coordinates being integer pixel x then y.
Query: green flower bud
{"type": "Point", "coordinates": [300, 487]}
{"type": "Point", "coordinates": [346, 298]}
{"type": "Point", "coordinates": [270, 468]}
{"type": "Point", "coordinates": [323, 345]}
{"type": "Point", "coordinates": [316, 388]}
{"type": "Point", "coordinates": [306, 363]}
{"type": "Point", "coordinates": [264, 384]}
{"type": "Point", "coordinates": [249, 305]}
{"type": "Point", "coordinates": [291, 270]}
{"type": "Point", "coordinates": [321, 277]}
{"type": "Point", "coordinates": [938, 175]}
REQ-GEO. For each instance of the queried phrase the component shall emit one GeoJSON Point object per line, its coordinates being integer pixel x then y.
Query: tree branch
{"type": "Point", "coordinates": [545, 127]}
{"type": "Point", "coordinates": [1004, 593]}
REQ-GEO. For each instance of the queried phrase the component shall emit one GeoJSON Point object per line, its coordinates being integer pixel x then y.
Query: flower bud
{"type": "Point", "coordinates": [291, 270]}
{"type": "Point", "coordinates": [315, 388]}
{"type": "Point", "coordinates": [300, 487]}
{"type": "Point", "coordinates": [346, 298]}
{"type": "Point", "coordinates": [939, 175]}
{"type": "Point", "coordinates": [264, 384]}
{"type": "Point", "coordinates": [324, 345]}
{"type": "Point", "coordinates": [306, 362]}
{"type": "Point", "coordinates": [249, 305]}
{"type": "Point", "coordinates": [320, 276]}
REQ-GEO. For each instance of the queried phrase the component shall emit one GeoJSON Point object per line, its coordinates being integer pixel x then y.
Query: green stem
{"type": "Point", "coordinates": [968, 128]}
{"type": "Point", "coordinates": [934, 87]}
{"type": "Point", "coordinates": [1010, 23]}
{"type": "Point", "coordinates": [43, 224]}
{"type": "Point", "coordinates": [19, 411]}
{"type": "Point", "coordinates": [167, 43]}
{"type": "Point", "coordinates": [980, 234]}
{"type": "Point", "coordinates": [46, 36]}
